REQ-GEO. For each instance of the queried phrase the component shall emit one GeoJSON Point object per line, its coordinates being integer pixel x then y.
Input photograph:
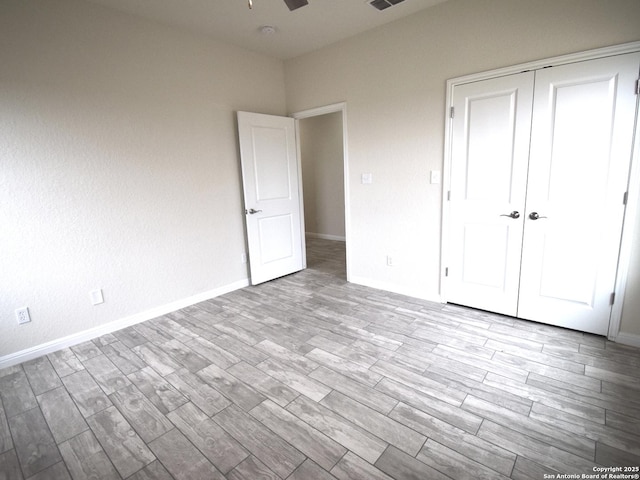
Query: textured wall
{"type": "Point", "coordinates": [394, 82]}
{"type": "Point", "coordinates": [119, 165]}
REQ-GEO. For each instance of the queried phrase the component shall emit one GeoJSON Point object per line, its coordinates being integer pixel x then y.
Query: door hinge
{"type": "Point", "coordinates": [612, 299]}
{"type": "Point", "coordinates": [638, 87]}
{"type": "Point", "coordinates": [448, 195]}
{"type": "Point", "coordinates": [452, 112]}
{"type": "Point", "coordinates": [625, 197]}
{"type": "Point", "coordinates": [446, 272]}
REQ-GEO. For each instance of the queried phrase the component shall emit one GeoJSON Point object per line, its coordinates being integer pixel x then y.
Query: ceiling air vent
{"type": "Point", "coordinates": [382, 4]}
{"type": "Point", "coordinates": [294, 4]}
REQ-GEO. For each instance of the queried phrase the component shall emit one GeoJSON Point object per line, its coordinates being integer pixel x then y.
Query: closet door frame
{"type": "Point", "coordinates": [633, 186]}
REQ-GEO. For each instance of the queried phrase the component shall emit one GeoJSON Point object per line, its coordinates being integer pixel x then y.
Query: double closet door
{"type": "Point", "coordinates": [539, 171]}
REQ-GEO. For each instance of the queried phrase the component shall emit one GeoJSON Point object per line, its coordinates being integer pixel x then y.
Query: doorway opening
{"type": "Point", "coordinates": [322, 149]}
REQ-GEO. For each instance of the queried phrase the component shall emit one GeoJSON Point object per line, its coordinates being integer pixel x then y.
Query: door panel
{"type": "Point", "coordinates": [490, 148]}
{"type": "Point", "coordinates": [276, 234]}
{"type": "Point", "coordinates": [581, 143]}
{"type": "Point", "coordinates": [485, 255]}
{"type": "Point", "coordinates": [272, 163]}
{"type": "Point", "coordinates": [270, 176]}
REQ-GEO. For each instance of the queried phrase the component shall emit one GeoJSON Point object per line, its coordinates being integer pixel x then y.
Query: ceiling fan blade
{"type": "Point", "coordinates": [293, 4]}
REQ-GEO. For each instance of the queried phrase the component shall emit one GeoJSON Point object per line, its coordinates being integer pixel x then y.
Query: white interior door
{"type": "Point", "coordinates": [490, 150]}
{"type": "Point", "coordinates": [581, 141]}
{"type": "Point", "coordinates": [271, 181]}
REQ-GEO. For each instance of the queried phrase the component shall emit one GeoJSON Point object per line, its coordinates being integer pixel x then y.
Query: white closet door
{"type": "Point", "coordinates": [581, 142]}
{"type": "Point", "coordinates": [490, 149]}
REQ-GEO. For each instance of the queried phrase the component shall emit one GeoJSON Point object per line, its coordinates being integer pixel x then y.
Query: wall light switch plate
{"type": "Point", "coordinates": [367, 178]}
{"type": "Point", "coordinates": [96, 297]}
{"type": "Point", "coordinates": [435, 176]}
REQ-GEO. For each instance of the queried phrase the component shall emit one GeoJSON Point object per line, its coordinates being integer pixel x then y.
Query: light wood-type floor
{"type": "Point", "coordinates": [308, 377]}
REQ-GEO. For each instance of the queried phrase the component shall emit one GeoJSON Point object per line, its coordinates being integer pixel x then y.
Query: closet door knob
{"type": "Point", "coordinates": [514, 214]}
{"type": "Point", "coordinates": [535, 216]}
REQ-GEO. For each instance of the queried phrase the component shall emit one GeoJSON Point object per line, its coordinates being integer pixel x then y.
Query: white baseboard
{"type": "Point", "coordinates": [630, 339]}
{"type": "Point", "coordinates": [86, 335]}
{"type": "Point", "coordinates": [392, 287]}
{"type": "Point", "coordinates": [325, 236]}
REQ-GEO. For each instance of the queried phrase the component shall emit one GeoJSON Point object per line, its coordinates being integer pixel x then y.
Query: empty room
{"type": "Point", "coordinates": [319, 239]}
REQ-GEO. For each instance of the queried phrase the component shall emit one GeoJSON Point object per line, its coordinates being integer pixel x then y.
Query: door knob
{"type": "Point", "coordinates": [252, 211]}
{"type": "Point", "coordinates": [514, 214]}
{"type": "Point", "coordinates": [535, 216]}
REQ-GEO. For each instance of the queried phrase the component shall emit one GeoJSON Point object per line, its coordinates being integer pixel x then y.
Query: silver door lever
{"type": "Point", "coordinates": [252, 211]}
{"type": "Point", "coordinates": [514, 214]}
{"type": "Point", "coordinates": [535, 216]}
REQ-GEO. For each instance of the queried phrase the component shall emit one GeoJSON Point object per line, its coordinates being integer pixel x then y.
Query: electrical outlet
{"type": "Point", "coordinates": [96, 297]}
{"type": "Point", "coordinates": [22, 314]}
{"type": "Point", "coordinates": [390, 261]}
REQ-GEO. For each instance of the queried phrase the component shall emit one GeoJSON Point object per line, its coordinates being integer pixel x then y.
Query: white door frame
{"type": "Point", "coordinates": [633, 185]}
{"type": "Point", "coordinates": [315, 112]}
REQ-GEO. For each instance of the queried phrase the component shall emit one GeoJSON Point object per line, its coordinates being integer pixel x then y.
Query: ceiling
{"type": "Point", "coordinates": [309, 28]}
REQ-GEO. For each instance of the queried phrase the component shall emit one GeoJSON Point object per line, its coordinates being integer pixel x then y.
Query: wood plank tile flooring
{"type": "Point", "coordinates": [308, 377]}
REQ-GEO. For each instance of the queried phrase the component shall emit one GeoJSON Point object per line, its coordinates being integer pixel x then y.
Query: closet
{"type": "Point", "coordinates": [538, 172]}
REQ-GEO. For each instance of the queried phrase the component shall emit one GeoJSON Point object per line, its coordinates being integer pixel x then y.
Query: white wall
{"type": "Point", "coordinates": [322, 158]}
{"type": "Point", "coordinates": [119, 165]}
{"type": "Point", "coordinates": [393, 81]}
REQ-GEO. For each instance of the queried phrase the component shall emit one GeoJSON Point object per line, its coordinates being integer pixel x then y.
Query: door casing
{"type": "Point", "coordinates": [314, 112]}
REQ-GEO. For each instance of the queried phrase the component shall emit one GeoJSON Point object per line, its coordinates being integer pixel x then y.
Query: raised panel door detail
{"type": "Point", "coordinates": [485, 255]}
{"type": "Point", "coordinates": [275, 238]}
{"type": "Point", "coordinates": [272, 163]}
{"type": "Point", "coordinates": [490, 137]}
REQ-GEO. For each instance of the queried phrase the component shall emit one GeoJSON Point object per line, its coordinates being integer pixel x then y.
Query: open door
{"type": "Point", "coordinates": [271, 182]}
